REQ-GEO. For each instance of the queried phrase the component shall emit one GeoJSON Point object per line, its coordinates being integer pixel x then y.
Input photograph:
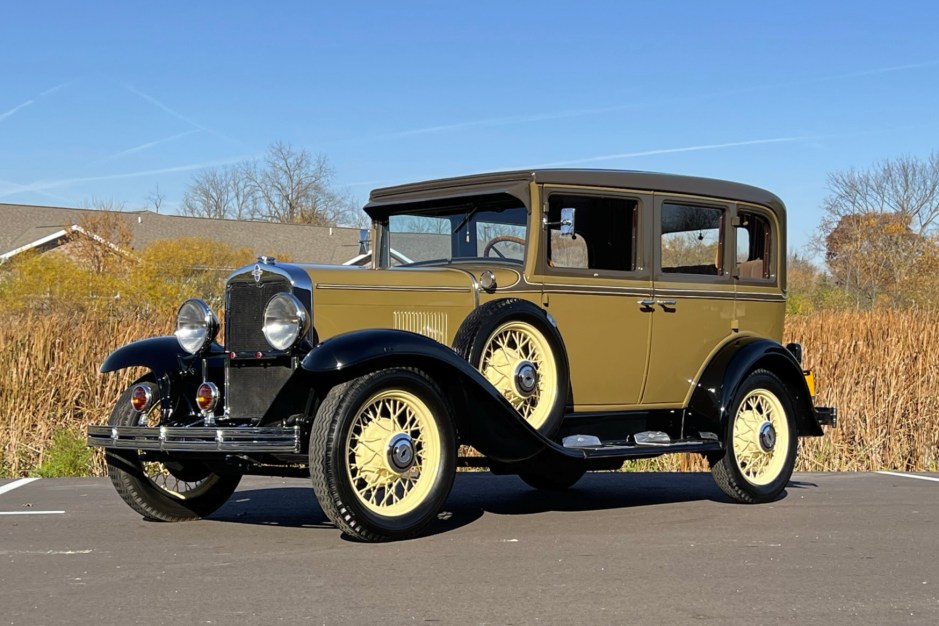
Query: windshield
{"type": "Point", "coordinates": [469, 230]}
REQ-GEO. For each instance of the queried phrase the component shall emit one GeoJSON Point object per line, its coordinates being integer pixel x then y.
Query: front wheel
{"type": "Point", "coordinates": [383, 454]}
{"type": "Point", "coordinates": [169, 491]}
{"type": "Point", "coordinates": [760, 441]}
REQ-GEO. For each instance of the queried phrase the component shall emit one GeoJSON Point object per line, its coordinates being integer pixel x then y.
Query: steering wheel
{"type": "Point", "coordinates": [490, 245]}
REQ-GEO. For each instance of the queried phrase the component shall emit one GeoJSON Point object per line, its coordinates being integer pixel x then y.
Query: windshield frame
{"type": "Point", "coordinates": [464, 214]}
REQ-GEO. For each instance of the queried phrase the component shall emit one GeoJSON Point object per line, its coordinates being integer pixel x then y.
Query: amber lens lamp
{"type": "Point", "coordinates": [140, 398]}
{"type": "Point", "coordinates": [207, 396]}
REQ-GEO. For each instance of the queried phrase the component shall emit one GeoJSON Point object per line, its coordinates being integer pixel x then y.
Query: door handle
{"type": "Point", "coordinates": [666, 302]}
{"type": "Point", "coordinates": [647, 303]}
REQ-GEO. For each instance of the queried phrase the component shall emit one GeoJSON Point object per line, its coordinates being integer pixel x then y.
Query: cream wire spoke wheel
{"type": "Point", "coordinates": [518, 361]}
{"type": "Point", "coordinates": [760, 437]}
{"type": "Point", "coordinates": [393, 452]}
{"type": "Point", "coordinates": [383, 454]}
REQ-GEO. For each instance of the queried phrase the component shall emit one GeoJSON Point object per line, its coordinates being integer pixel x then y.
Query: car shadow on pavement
{"type": "Point", "coordinates": [476, 493]}
{"type": "Point", "coordinates": [508, 495]}
{"type": "Point", "coordinates": [292, 507]}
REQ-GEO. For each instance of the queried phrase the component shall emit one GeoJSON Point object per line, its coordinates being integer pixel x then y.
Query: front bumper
{"type": "Point", "coordinates": [182, 439]}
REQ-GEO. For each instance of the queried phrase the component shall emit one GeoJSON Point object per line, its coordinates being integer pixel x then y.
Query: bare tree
{"type": "Point", "coordinates": [222, 193]}
{"type": "Point", "coordinates": [288, 186]}
{"type": "Point", "coordinates": [102, 238]}
{"type": "Point", "coordinates": [879, 229]}
{"type": "Point", "coordinates": [155, 198]}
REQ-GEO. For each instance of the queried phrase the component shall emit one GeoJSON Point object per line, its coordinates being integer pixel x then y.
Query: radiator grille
{"type": "Point", "coordinates": [252, 388]}
{"type": "Point", "coordinates": [432, 324]}
{"type": "Point", "coordinates": [245, 314]}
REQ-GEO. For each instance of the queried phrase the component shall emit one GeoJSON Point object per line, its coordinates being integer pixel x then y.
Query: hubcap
{"type": "Point", "coordinates": [526, 378]}
{"type": "Point", "coordinates": [767, 436]}
{"type": "Point", "coordinates": [401, 452]}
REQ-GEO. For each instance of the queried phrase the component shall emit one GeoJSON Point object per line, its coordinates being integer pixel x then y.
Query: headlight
{"type": "Point", "coordinates": [196, 325]}
{"type": "Point", "coordinates": [285, 321]}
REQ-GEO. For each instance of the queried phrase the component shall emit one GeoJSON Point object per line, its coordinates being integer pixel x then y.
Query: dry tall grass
{"type": "Point", "coordinates": [880, 368]}
{"type": "Point", "coordinates": [49, 380]}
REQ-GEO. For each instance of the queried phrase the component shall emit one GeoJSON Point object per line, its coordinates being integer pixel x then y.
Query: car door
{"type": "Point", "coordinates": [693, 292]}
{"type": "Point", "coordinates": [592, 285]}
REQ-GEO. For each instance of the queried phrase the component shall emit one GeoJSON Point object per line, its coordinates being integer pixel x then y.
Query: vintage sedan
{"type": "Point", "coordinates": [554, 321]}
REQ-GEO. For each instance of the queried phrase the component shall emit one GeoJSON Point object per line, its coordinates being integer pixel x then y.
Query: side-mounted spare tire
{"type": "Point", "coordinates": [517, 348]}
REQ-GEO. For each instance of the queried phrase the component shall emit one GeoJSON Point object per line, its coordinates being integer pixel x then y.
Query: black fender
{"type": "Point", "coordinates": [716, 390]}
{"type": "Point", "coordinates": [484, 418]}
{"type": "Point", "coordinates": [161, 355]}
{"type": "Point", "coordinates": [177, 372]}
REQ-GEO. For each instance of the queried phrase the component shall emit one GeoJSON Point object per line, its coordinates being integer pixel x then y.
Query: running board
{"type": "Point", "coordinates": [183, 439]}
{"type": "Point", "coordinates": [593, 448]}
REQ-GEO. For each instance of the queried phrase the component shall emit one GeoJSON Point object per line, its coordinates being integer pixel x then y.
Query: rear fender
{"type": "Point", "coordinates": [716, 390]}
{"type": "Point", "coordinates": [483, 417]}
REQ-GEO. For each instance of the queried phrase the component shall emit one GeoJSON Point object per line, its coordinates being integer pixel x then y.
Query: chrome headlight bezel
{"type": "Point", "coordinates": [196, 326]}
{"type": "Point", "coordinates": [286, 321]}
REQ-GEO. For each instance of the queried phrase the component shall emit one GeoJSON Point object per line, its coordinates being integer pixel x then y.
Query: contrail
{"type": "Point", "coordinates": [41, 186]}
{"type": "Point", "coordinates": [176, 114]}
{"type": "Point", "coordinates": [147, 146]}
{"type": "Point", "coordinates": [630, 155]}
{"type": "Point", "coordinates": [49, 92]}
{"type": "Point", "coordinates": [14, 188]}
{"type": "Point", "coordinates": [45, 93]}
{"type": "Point", "coordinates": [522, 119]}
{"type": "Point", "coordinates": [13, 111]}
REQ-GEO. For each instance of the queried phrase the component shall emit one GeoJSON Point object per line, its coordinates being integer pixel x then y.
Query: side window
{"type": "Point", "coordinates": [754, 246]}
{"type": "Point", "coordinates": [691, 241]}
{"type": "Point", "coordinates": [604, 233]}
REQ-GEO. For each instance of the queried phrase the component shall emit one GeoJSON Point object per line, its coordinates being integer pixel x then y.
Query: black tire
{"type": "Point", "coordinates": [553, 481]}
{"type": "Point", "coordinates": [356, 484]}
{"type": "Point", "coordinates": [748, 472]}
{"type": "Point", "coordinates": [473, 340]}
{"type": "Point", "coordinates": [145, 487]}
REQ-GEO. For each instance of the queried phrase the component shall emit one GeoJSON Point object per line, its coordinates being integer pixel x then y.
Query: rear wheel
{"type": "Point", "coordinates": [166, 491]}
{"type": "Point", "coordinates": [383, 454]}
{"type": "Point", "coordinates": [760, 441]}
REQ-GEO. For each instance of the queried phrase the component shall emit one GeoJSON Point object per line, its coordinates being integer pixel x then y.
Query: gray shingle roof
{"type": "Point", "coordinates": [22, 225]}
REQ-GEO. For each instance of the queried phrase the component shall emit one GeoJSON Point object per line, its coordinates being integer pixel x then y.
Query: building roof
{"type": "Point", "coordinates": [23, 227]}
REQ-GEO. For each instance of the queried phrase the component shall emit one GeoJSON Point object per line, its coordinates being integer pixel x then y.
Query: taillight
{"type": "Point", "coordinates": [141, 398]}
{"type": "Point", "coordinates": [207, 396]}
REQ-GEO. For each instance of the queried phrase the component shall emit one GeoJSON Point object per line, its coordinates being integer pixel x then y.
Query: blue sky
{"type": "Point", "coordinates": [113, 100]}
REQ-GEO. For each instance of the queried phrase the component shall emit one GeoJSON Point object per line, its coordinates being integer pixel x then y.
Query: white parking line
{"type": "Point", "coordinates": [15, 484]}
{"type": "Point", "coordinates": [932, 478]}
{"type": "Point", "coordinates": [32, 512]}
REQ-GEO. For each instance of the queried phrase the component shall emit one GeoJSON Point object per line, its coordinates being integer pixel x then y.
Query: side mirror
{"type": "Point", "coordinates": [567, 222]}
{"type": "Point", "coordinates": [364, 241]}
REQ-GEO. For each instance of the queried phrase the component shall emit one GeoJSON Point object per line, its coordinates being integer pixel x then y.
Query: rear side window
{"type": "Point", "coordinates": [691, 240]}
{"type": "Point", "coordinates": [604, 233]}
{"type": "Point", "coordinates": [754, 246]}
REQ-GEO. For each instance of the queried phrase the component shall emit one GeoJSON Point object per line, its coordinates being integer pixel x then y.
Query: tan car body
{"type": "Point", "coordinates": [622, 355]}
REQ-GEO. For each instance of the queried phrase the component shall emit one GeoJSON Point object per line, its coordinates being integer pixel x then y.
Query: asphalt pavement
{"type": "Point", "coordinates": [618, 548]}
